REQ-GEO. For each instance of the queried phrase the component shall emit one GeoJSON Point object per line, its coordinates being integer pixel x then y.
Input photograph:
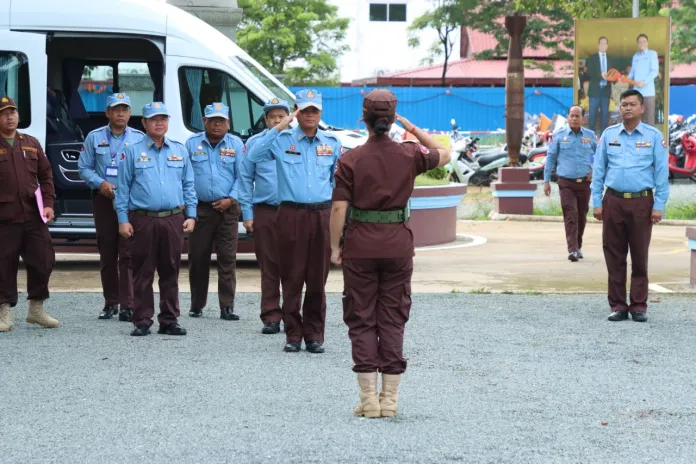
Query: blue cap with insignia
{"type": "Point", "coordinates": [154, 109]}
{"type": "Point", "coordinates": [217, 110]}
{"type": "Point", "coordinates": [275, 103]}
{"type": "Point", "coordinates": [306, 98]}
{"type": "Point", "coordinates": [118, 99]}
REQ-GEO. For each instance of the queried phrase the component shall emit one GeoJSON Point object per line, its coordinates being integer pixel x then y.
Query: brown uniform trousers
{"type": "Point", "coordinates": [266, 250]}
{"type": "Point", "coordinates": [575, 202]}
{"type": "Point", "coordinates": [626, 224]}
{"type": "Point", "coordinates": [378, 258]}
{"type": "Point", "coordinates": [23, 167]}
{"type": "Point", "coordinates": [376, 307]}
{"type": "Point", "coordinates": [156, 244]}
{"type": "Point", "coordinates": [304, 255]}
{"type": "Point", "coordinates": [219, 228]}
{"type": "Point", "coordinates": [114, 254]}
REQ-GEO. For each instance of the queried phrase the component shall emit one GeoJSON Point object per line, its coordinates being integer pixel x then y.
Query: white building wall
{"type": "Point", "coordinates": [382, 47]}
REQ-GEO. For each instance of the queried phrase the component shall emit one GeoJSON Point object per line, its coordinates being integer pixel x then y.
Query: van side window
{"type": "Point", "coordinates": [133, 78]}
{"type": "Point", "coordinates": [14, 83]}
{"type": "Point", "coordinates": [200, 87]}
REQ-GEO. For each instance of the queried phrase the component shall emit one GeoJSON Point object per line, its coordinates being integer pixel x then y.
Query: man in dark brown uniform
{"type": "Point", "coordinates": [631, 161]}
{"type": "Point", "coordinates": [24, 169]}
{"type": "Point", "coordinates": [377, 180]}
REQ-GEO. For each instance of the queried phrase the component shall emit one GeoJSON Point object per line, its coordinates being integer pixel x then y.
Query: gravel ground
{"type": "Point", "coordinates": [491, 378]}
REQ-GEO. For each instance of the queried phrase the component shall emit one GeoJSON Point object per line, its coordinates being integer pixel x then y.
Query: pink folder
{"type": "Point", "coordinates": [39, 202]}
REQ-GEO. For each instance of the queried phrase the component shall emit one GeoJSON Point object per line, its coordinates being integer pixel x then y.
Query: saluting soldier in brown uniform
{"type": "Point", "coordinates": [377, 180]}
{"type": "Point", "coordinates": [24, 169]}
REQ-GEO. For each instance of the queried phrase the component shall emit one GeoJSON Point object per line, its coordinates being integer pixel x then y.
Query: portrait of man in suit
{"type": "Point", "coordinates": [599, 89]}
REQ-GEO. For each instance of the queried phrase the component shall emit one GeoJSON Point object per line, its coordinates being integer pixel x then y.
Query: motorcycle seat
{"type": "Point", "coordinates": [489, 158]}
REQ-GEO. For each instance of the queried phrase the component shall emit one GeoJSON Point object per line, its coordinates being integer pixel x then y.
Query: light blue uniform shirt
{"type": "Point", "coordinates": [101, 150]}
{"type": "Point", "coordinates": [631, 163]}
{"type": "Point", "coordinates": [305, 168]}
{"type": "Point", "coordinates": [572, 151]}
{"type": "Point", "coordinates": [215, 169]}
{"type": "Point", "coordinates": [155, 179]}
{"type": "Point", "coordinates": [258, 182]}
{"type": "Point", "coordinates": [645, 67]}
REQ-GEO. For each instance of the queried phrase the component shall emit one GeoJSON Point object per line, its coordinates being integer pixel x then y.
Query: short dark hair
{"type": "Point", "coordinates": [602, 37]}
{"type": "Point", "coordinates": [641, 35]}
{"type": "Point", "coordinates": [582, 110]}
{"type": "Point", "coordinates": [630, 93]}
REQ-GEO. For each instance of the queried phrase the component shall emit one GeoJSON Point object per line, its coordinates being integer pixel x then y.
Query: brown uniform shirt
{"type": "Point", "coordinates": [23, 167]}
{"type": "Point", "coordinates": [379, 175]}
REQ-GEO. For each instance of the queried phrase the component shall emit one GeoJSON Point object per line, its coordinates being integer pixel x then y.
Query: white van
{"type": "Point", "coordinates": [53, 54]}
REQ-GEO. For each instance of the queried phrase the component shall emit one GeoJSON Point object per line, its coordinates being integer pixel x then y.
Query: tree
{"type": "Point", "coordinates": [300, 39]}
{"type": "Point", "coordinates": [683, 48]}
{"type": "Point", "coordinates": [445, 18]}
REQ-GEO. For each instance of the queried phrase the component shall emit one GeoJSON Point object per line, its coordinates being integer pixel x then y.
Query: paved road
{"type": "Point", "coordinates": [505, 256]}
{"type": "Point", "coordinates": [491, 378]}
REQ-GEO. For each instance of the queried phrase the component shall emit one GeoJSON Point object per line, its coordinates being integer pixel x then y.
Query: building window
{"type": "Point", "coordinates": [200, 87]}
{"type": "Point", "coordinates": [392, 12]}
{"type": "Point", "coordinates": [14, 83]}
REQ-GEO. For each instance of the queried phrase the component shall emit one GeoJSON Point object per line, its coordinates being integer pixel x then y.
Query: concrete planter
{"type": "Point", "coordinates": [513, 193]}
{"type": "Point", "coordinates": [434, 213]}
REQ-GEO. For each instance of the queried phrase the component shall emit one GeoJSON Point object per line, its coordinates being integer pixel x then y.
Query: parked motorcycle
{"type": "Point", "coordinates": [682, 157]}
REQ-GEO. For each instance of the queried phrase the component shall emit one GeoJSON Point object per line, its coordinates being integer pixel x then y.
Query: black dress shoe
{"type": "Point", "coordinates": [171, 329]}
{"type": "Point", "coordinates": [314, 346]}
{"type": "Point", "coordinates": [228, 314]}
{"type": "Point", "coordinates": [195, 312]}
{"type": "Point", "coordinates": [108, 312]}
{"type": "Point", "coordinates": [639, 316]}
{"type": "Point", "coordinates": [292, 347]}
{"type": "Point", "coordinates": [270, 328]}
{"type": "Point", "coordinates": [140, 331]}
{"type": "Point", "coordinates": [573, 256]}
{"type": "Point", "coordinates": [618, 316]}
{"type": "Point", "coordinates": [126, 315]}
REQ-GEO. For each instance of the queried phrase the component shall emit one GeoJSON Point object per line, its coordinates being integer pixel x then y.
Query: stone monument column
{"type": "Point", "coordinates": [223, 15]}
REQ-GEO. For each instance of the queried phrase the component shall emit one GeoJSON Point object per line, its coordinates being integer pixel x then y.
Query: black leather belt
{"type": "Point", "coordinates": [266, 205]}
{"type": "Point", "coordinates": [159, 214]}
{"type": "Point", "coordinates": [577, 181]}
{"type": "Point", "coordinates": [641, 194]}
{"type": "Point", "coordinates": [309, 206]}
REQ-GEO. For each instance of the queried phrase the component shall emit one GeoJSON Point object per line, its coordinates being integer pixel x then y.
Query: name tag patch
{"type": "Point", "coordinates": [200, 153]}
{"type": "Point", "coordinates": [324, 150]}
{"type": "Point", "coordinates": [32, 149]}
{"type": "Point", "coordinates": [111, 171]}
{"type": "Point", "coordinates": [614, 144]}
{"type": "Point", "coordinates": [103, 145]}
{"type": "Point", "coordinates": [290, 152]}
{"type": "Point", "coordinates": [143, 158]}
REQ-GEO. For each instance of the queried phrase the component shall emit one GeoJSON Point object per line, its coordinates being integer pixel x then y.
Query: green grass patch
{"type": "Point", "coordinates": [682, 211]}
{"type": "Point", "coordinates": [480, 291]}
{"type": "Point", "coordinates": [425, 181]}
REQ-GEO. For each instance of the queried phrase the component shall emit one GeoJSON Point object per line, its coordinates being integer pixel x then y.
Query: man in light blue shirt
{"type": "Point", "coordinates": [570, 152]}
{"type": "Point", "coordinates": [305, 159]}
{"type": "Point", "coordinates": [215, 158]}
{"type": "Point", "coordinates": [631, 162]}
{"type": "Point", "coordinates": [258, 195]}
{"type": "Point", "coordinates": [645, 69]}
{"type": "Point", "coordinates": [98, 164]}
{"type": "Point", "coordinates": [155, 180]}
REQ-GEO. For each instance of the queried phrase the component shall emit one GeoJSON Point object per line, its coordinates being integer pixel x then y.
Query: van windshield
{"type": "Point", "coordinates": [277, 90]}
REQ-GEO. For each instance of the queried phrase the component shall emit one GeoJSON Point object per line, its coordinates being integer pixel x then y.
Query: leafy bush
{"type": "Point", "coordinates": [437, 173]}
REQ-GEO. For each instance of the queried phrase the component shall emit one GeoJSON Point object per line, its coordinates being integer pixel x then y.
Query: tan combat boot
{"type": "Point", "coordinates": [369, 402]}
{"type": "Point", "coordinates": [389, 397]}
{"type": "Point", "coordinates": [38, 316]}
{"type": "Point", "coordinates": [5, 317]}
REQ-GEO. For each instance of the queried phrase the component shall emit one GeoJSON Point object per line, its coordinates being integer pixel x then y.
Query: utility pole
{"type": "Point", "coordinates": [636, 10]}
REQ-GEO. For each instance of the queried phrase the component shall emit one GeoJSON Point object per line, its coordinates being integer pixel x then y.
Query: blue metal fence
{"type": "Point", "coordinates": [474, 108]}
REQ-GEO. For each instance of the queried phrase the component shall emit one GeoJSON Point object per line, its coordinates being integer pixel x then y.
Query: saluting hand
{"type": "Point", "coordinates": [189, 224]}
{"type": "Point", "coordinates": [285, 122]}
{"type": "Point", "coordinates": [126, 230]}
{"type": "Point", "coordinates": [656, 216]}
{"type": "Point", "coordinates": [598, 213]}
{"type": "Point", "coordinates": [405, 122]}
